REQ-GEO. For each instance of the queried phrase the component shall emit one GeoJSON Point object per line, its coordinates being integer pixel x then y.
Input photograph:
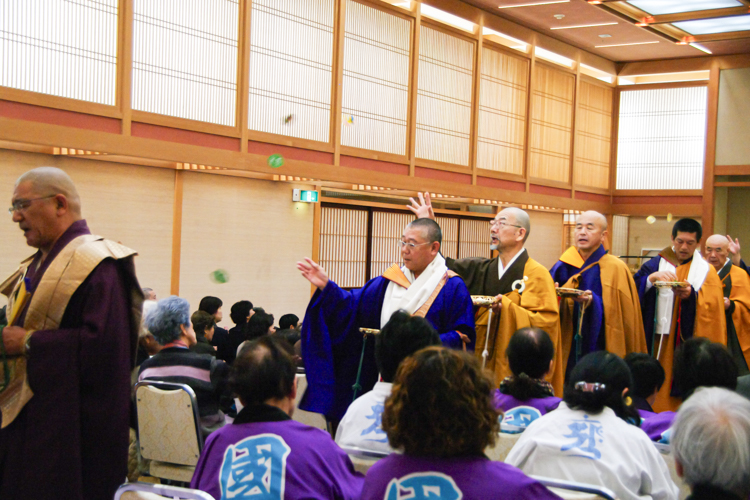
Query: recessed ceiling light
{"type": "Point", "coordinates": [623, 44]}
{"type": "Point", "coordinates": [605, 36]}
{"type": "Point", "coordinates": [532, 4]}
{"type": "Point", "coordinates": [582, 26]}
{"type": "Point", "coordinates": [559, 16]}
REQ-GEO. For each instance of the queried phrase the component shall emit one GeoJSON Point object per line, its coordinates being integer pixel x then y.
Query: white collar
{"type": "Point", "coordinates": [501, 270]}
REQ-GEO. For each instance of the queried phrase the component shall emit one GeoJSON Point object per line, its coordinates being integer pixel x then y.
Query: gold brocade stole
{"type": "Point", "coordinates": [396, 275]}
{"type": "Point", "coordinates": [48, 303]}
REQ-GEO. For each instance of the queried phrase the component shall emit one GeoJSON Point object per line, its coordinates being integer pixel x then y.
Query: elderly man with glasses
{"type": "Point", "coordinates": [524, 294]}
{"type": "Point", "coordinates": [73, 313]}
{"type": "Point", "coordinates": [336, 354]}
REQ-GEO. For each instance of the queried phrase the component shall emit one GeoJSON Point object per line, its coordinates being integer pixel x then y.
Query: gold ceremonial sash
{"type": "Point", "coordinates": [48, 302]}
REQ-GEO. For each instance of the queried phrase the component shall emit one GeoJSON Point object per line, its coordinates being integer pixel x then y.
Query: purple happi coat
{"type": "Point", "coordinates": [658, 426]}
{"type": "Point", "coordinates": [71, 439]}
{"type": "Point", "coordinates": [522, 413]}
{"type": "Point", "coordinates": [264, 450]}
{"type": "Point", "coordinates": [398, 477]}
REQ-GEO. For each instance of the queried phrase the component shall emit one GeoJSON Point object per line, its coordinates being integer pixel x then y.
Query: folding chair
{"type": "Point", "coordinates": [149, 491]}
{"type": "Point", "coordinates": [575, 490]}
{"type": "Point", "coordinates": [362, 458]}
{"type": "Point", "coordinates": [169, 431]}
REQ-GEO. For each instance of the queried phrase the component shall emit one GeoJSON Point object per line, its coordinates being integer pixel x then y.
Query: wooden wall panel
{"type": "Point", "coordinates": [502, 112]}
{"type": "Point", "coordinates": [343, 245]}
{"type": "Point", "coordinates": [475, 238]}
{"type": "Point", "coordinates": [254, 231]}
{"type": "Point", "coordinates": [449, 227]}
{"type": "Point", "coordinates": [544, 243]}
{"type": "Point", "coordinates": [593, 133]}
{"type": "Point", "coordinates": [387, 229]}
{"type": "Point", "coordinates": [125, 203]}
{"type": "Point", "coordinates": [551, 124]}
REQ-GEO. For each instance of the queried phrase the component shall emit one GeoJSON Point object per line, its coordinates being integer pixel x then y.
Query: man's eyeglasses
{"type": "Point", "coordinates": [502, 223]}
{"type": "Point", "coordinates": [410, 246]}
{"type": "Point", "coordinates": [21, 205]}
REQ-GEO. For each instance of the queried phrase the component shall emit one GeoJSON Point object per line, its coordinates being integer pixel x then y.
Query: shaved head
{"type": "Point", "coordinates": [718, 240]}
{"type": "Point", "coordinates": [46, 181]}
{"type": "Point", "coordinates": [518, 217]}
{"type": "Point", "coordinates": [599, 219]}
{"type": "Point", "coordinates": [717, 251]}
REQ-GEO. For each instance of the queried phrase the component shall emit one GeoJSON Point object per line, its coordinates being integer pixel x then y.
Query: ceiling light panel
{"type": "Point", "coordinates": [581, 26]}
{"type": "Point", "coordinates": [659, 7]}
{"type": "Point", "coordinates": [717, 25]}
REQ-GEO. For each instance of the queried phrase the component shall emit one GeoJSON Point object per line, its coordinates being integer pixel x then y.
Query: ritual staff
{"type": "Point", "coordinates": [333, 352]}
{"type": "Point", "coordinates": [74, 315]}
{"type": "Point", "coordinates": [523, 291]}
{"type": "Point", "coordinates": [674, 312]}
{"type": "Point", "coordinates": [609, 305]}
{"type": "Point", "coordinates": [736, 285]}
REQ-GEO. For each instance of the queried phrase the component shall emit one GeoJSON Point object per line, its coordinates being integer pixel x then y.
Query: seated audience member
{"type": "Point", "coordinates": [264, 453]}
{"type": "Point", "coordinates": [258, 325]}
{"type": "Point", "coordinates": [711, 445]}
{"type": "Point", "coordinates": [590, 439]}
{"type": "Point", "coordinates": [203, 326]}
{"type": "Point", "coordinates": [240, 314]}
{"type": "Point", "coordinates": [147, 344]}
{"type": "Point", "coordinates": [648, 377]}
{"type": "Point", "coordinates": [402, 336]}
{"type": "Point", "coordinates": [526, 395]}
{"type": "Point", "coordinates": [148, 294]}
{"type": "Point", "coordinates": [212, 305]}
{"type": "Point", "coordinates": [288, 322]}
{"type": "Point", "coordinates": [698, 362]}
{"type": "Point", "coordinates": [440, 413]}
{"type": "Point", "coordinates": [169, 322]}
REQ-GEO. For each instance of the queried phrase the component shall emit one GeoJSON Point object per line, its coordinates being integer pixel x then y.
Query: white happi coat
{"type": "Point", "coordinates": [597, 449]}
{"type": "Point", "coordinates": [360, 426]}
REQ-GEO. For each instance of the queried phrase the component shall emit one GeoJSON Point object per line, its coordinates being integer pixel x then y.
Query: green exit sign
{"type": "Point", "coordinates": [305, 196]}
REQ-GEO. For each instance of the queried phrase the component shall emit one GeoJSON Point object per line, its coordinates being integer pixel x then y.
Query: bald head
{"type": "Point", "coordinates": [590, 231]}
{"type": "Point", "coordinates": [717, 250]}
{"type": "Point", "coordinates": [46, 181]}
{"type": "Point", "coordinates": [518, 217]}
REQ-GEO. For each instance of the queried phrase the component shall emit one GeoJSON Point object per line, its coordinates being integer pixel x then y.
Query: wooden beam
{"type": "Point", "coordinates": [411, 117]}
{"type": "Point", "coordinates": [337, 69]}
{"type": "Point", "coordinates": [125, 65]}
{"type": "Point", "coordinates": [174, 287]}
{"type": "Point", "coordinates": [716, 37]}
{"type": "Point", "coordinates": [694, 15]}
{"type": "Point", "coordinates": [707, 215]}
{"type": "Point", "coordinates": [732, 170]}
{"type": "Point", "coordinates": [732, 184]}
{"type": "Point", "coordinates": [243, 73]}
{"type": "Point", "coordinates": [25, 131]}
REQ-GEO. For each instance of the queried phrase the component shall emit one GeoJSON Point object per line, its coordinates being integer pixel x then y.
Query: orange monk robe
{"type": "Point", "coordinates": [709, 322]}
{"type": "Point", "coordinates": [623, 322]}
{"type": "Point", "coordinates": [535, 306]}
{"type": "Point", "coordinates": [738, 282]}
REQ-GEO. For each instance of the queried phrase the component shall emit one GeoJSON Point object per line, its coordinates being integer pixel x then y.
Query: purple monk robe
{"type": "Point", "coordinates": [592, 328]}
{"type": "Point", "coordinates": [332, 342]}
{"type": "Point", "coordinates": [522, 413]}
{"type": "Point", "coordinates": [658, 426]}
{"type": "Point", "coordinates": [71, 439]}
{"type": "Point", "coordinates": [275, 461]}
{"type": "Point", "coordinates": [401, 477]}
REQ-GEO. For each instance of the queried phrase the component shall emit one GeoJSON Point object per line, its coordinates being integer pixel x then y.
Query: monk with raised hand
{"type": "Point", "coordinates": [523, 290]}
{"type": "Point", "coordinates": [607, 316]}
{"type": "Point", "coordinates": [681, 297]}
{"type": "Point", "coordinates": [736, 287]}
{"type": "Point", "coordinates": [332, 344]}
